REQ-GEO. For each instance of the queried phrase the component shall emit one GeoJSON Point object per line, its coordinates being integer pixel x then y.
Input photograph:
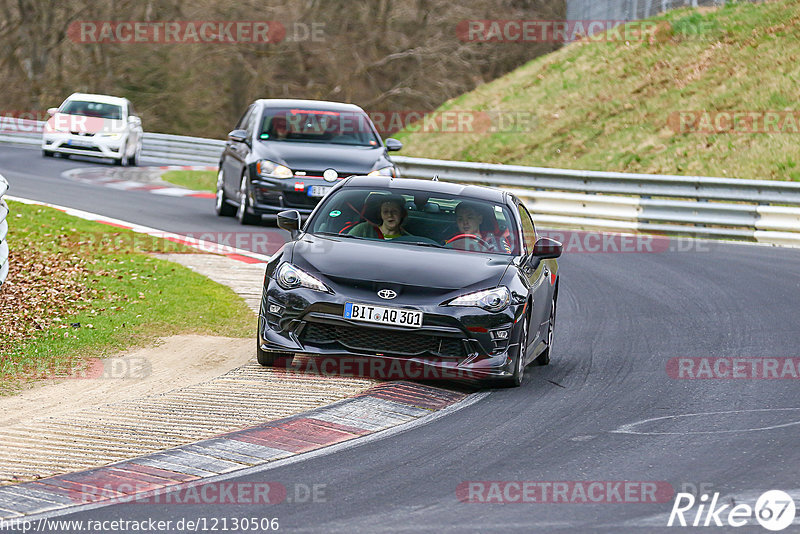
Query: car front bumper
{"type": "Point", "coordinates": [84, 145]}
{"type": "Point", "coordinates": [453, 344]}
{"type": "Point", "coordinates": [301, 193]}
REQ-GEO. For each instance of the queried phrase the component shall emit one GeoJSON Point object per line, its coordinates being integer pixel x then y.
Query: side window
{"type": "Point", "coordinates": [251, 122]}
{"type": "Point", "coordinates": [528, 231]}
{"type": "Point", "coordinates": [242, 124]}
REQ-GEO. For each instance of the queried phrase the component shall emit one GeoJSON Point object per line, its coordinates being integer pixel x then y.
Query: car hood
{"type": "Point", "coordinates": [346, 160]}
{"type": "Point", "coordinates": [394, 263]}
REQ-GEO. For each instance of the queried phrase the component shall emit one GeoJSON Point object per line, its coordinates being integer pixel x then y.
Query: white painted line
{"type": "Point", "coordinates": [198, 244]}
{"type": "Point", "coordinates": [629, 428]}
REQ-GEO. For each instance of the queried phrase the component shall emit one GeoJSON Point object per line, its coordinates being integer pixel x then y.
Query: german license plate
{"type": "Point", "coordinates": [370, 313]}
{"type": "Point", "coordinates": [73, 142]}
{"type": "Point", "coordinates": [318, 190]}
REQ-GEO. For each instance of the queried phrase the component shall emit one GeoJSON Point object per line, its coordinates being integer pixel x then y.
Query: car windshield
{"type": "Point", "coordinates": [318, 126]}
{"type": "Point", "coordinates": [92, 109]}
{"type": "Point", "coordinates": [418, 218]}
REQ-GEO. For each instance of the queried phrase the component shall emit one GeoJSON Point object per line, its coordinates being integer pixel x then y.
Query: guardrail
{"type": "Point", "coordinates": [754, 210]}
{"type": "Point", "coordinates": [693, 206]}
{"type": "Point", "coordinates": [174, 149]}
{"type": "Point", "coordinates": [3, 231]}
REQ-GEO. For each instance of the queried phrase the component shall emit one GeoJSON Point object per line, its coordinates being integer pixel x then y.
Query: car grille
{"type": "Point", "coordinates": [372, 340]}
{"type": "Point", "coordinates": [84, 148]}
{"type": "Point", "coordinates": [299, 200]}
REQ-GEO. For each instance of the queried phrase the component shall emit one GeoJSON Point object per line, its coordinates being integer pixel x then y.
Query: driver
{"type": "Point", "coordinates": [469, 218]}
{"type": "Point", "coordinates": [392, 214]}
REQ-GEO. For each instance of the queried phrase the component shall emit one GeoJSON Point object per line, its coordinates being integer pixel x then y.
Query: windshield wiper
{"type": "Point", "coordinates": [337, 234]}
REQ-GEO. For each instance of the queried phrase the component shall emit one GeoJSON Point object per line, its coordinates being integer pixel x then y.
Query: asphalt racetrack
{"type": "Point", "coordinates": [614, 405]}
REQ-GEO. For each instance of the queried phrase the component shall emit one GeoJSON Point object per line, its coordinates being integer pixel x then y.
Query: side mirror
{"type": "Point", "coordinates": [134, 120]}
{"type": "Point", "coordinates": [545, 248]}
{"type": "Point", "coordinates": [289, 220]}
{"type": "Point", "coordinates": [393, 145]}
{"type": "Point", "coordinates": [238, 136]}
{"type": "Point", "coordinates": [52, 111]}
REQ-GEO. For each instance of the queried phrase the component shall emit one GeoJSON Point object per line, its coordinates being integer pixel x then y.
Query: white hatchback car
{"type": "Point", "coordinates": [94, 125]}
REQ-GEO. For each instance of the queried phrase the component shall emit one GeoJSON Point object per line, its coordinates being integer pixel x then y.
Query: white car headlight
{"type": "Point", "coordinates": [386, 171]}
{"type": "Point", "coordinates": [493, 300]}
{"type": "Point", "coordinates": [291, 277]}
{"type": "Point", "coordinates": [270, 169]}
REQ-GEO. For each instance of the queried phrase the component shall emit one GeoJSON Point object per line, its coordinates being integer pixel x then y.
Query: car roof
{"type": "Point", "coordinates": [104, 99]}
{"type": "Point", "coordinates": [322, 105]}
{"type": "Point", "coordinates": [490, 194]}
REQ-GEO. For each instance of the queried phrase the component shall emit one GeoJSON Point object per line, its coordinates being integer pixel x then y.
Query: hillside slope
{"type": "Point", "coordinates": [616, 105]}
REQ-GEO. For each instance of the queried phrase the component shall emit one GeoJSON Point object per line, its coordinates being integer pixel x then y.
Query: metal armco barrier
{"type": "Point", "coordinates": [3, 231]}
{"type": "Point", "coordinates": [681, 205]}
{"type": "Point", "coordinates": [754, 210]}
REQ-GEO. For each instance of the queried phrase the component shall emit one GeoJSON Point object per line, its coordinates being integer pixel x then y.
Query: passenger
{"type": "Point", "coordinates": [392, 215]}
{"type": "Point", "coordinates": [470, 220]}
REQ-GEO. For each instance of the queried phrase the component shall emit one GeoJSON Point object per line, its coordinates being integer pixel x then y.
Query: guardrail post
{"type": "Point", "coordinates": [3, 231]}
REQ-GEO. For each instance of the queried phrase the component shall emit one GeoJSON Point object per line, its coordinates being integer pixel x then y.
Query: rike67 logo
{"type": "Point", "coordinates": [774, 510]}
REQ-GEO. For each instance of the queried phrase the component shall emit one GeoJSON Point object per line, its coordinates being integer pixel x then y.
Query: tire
{"type": "Point", "coordinates": [515, 380]}
{"type": "Point", "coordinates": [47, 153]}
{"type": "Point", "coordinates": [221, 205]}
{"type": "Point", "coordinates": [133, 161]}
{"type": "Point", "coordinates": [544, 357]}
{"type": "Point", "coordinates": [242, 215]}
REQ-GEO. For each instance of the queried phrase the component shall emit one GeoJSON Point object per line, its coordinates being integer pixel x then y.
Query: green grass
{"type": "Point", "coordinates": [607, 105]}
{"type": "Point", "coordinates": [102, 279]}
{"type": "Point", "coordinates": [197, 180]}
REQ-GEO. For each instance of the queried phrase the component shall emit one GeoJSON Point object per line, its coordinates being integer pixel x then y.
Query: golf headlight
{"type": "Point", "coordinates": [493, 300]}
{"type": "Point", "coordinates": [270, 169]}
{"type": "Point", "coordinates": [386, 171]}
{"type": "Point", "coordinates": [291, 277]}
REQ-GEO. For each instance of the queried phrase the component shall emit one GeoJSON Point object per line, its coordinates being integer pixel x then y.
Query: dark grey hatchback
{"type": "Point", "coordinates": [287, 154]}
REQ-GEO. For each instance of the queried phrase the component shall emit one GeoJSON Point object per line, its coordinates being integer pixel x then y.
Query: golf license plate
{"type": "Point", "coordinates": [318, 190]}
{"type": "Point", "coordinates": [369, 313]}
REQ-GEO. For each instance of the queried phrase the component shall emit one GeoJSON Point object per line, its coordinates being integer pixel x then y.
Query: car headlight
{"type": "Point", "coordinates": [493, 300]}
{"type": "Point", "coordinates": [386, 171]}
{"type": "Point", "coordinates": [291, 277]}
{"type": "Point", "coordinates": [270, 169]}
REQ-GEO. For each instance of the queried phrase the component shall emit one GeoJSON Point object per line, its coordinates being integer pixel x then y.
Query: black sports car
{"type": "Point", "coordinates": [447, 277]}
{"type": "Point", "coordinates": [289, 153]}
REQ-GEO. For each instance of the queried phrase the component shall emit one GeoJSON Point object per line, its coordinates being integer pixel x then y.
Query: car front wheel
{"type": "Point", "coordinates": [242, 214]}
{"type": "Point", "coordinates": [544, 357]}
{"type": "Point", "coordinates": [519, 362]}
{"type": "Point", "coordinates": [221, 205]}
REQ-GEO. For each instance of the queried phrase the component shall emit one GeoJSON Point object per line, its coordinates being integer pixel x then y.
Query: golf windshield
{"type": "Point", "coordinates": [318, 126]}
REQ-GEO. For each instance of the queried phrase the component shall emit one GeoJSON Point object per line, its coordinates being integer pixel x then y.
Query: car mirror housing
{"type": "Point", "coordinates": [289, 220]}
{"type": "Point", "coordinates": [238, 136]}
{"type": "Point", "coordinates": [547, 248]}
{"type": "Point", "coordinates": [52, 111]}
{"type": "Point", "coordinates": [393, 145]}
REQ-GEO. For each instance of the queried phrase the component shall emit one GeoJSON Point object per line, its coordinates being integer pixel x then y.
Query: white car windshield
{"type": "Point", "coordinates": [92, 109]}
